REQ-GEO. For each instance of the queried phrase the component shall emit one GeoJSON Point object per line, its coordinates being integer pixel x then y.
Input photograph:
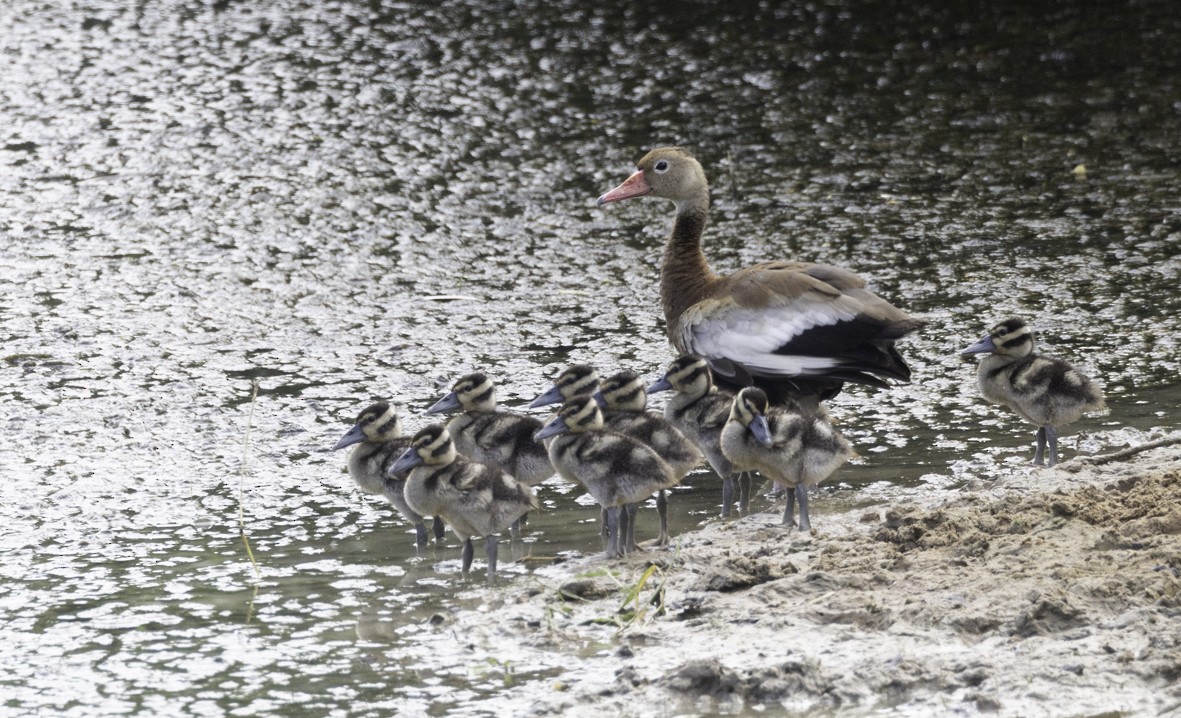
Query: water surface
{"type": "Point", "coordinates": [339, 202]}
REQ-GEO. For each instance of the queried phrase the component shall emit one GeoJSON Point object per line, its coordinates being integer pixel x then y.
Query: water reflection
{"type": "Point", "coordinates": [200, 195]}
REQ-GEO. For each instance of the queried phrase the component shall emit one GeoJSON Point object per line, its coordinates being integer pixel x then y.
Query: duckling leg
{"type": "Point", "coordinates": [1052, 439]}
{"type": "Point", "coordinates": [420, 535]}
{"type": "Point", "coordinates": [1038, 455]}
{"type": "Point", "coordinates": [612, 526]}
{"type": "Point", "coordinates": [490, 551]}
{"type": "Point", "coordinates": [466, 556]}
{"type": "Point", "coordinates": [744, 482]}
{"type": "Point", "coordinates": [662, 511]}
{"type": "Point", "coordinates": [439, 528]}
{"type": "Point", "coordinates": [627, 528]}
{"type": "Point", "coordinates": [802, 498]}
{"type": "Point", "coordinates": [789, 510]}
{"type": "Point", "coordinates": [727, 495]}
{"type": "Point", "coordinates": [514, 529]}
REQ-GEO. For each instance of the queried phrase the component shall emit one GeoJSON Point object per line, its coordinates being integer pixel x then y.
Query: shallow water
{"type": "Point", "coordinates": [351, 201]}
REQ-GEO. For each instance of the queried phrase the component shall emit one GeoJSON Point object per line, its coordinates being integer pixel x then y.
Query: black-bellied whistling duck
{"type": "Point", "coordinates": [796, 448]}
{"type": "Point", "coordinates": [377, 435]}
{"type": "Point", "coordinates": [475, 499]}
{"type": "Point", "coordinates": [793, 328]}
{"type": "Point", "coordinates": [491, 435]}
{"type": "Point", "coordinates": [700, 410]}
{"type": "Point", "coordinates": [1045, 391]}
{"type": "Point", "coordinates": [624, 401]}
{"type": "Point", "coordinates": [615, 469]}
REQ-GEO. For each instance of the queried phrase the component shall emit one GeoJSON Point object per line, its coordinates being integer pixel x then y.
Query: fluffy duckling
{"type": "Point", "coordinates": [575, 380]}
{"type": "Point", "coordinates": [624, 402]}
{"type": "Point", "coordinates": [474, 498]}
{"type": "Point", "coordinates": [377, 435]}
{"type": "Point", "coordinates": [798, 449]}
{"type": "Point", "coordinates": [793, 328]}
{"type": "Point", "coordinates": [615, 469]}
{"type": "Point", "coordinates": [483, 432]}
{"type": "Point", "coordinates": [700, 410]}
{"type": "Point", "coordinates": [1045, 391]}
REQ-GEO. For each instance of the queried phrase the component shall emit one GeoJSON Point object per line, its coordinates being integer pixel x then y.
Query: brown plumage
{"type": "Point", "coordinates": [793, 328]}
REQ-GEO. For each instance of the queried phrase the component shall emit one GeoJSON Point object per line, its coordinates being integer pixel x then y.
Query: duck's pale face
{"type": "Point", "coordinates": [668, 172]}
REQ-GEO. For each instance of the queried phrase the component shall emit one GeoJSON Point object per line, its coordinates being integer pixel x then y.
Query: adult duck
{"type": "Point", "coordinates": [792, 328]}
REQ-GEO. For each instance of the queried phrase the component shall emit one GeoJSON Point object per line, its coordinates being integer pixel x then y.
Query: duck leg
{"type": "Point", "coordinates": [439, 528]}
{"type": "Point", "coordinates": [744, 482]}
{"type": "Point", "coordinates": [420, 535]}
{"type": "Point", "coordinates": [490, 550]}
{"type": "Point", "coordinates": [466, 556]}
{"type": "Point", "coordinates": [662, 511]}
{"type": "Point", "coordinates": [802, 498]}
{"type": "Point", "coordinates": [727, 495]}
{"type": "Point", "coordinates": [789, 510]}
{"type": "Point", "coordinates": [514, 530]}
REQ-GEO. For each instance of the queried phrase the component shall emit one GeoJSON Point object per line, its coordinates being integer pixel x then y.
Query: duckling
{"type": "Point", "coordinates": [378, 434]}
{"type": "Point", "coordinates": [793, 328]}
{"type": "Point", "coordinates": [700, 410]}
{"type": "Point", "coordinates": [575, 380]}
{"type": "Point", "coordinates": [615, 469]}
{"type": "Point", "coordinates": [797, 448]}
{"type": "Point", "coordinates": [625, 401]}
{"type": "Point", "coordinates": [499, 438]}
{"type": "Point", "coordinates": [475, 499]}
{"type": "Point", "coordinates": [1045, 391]}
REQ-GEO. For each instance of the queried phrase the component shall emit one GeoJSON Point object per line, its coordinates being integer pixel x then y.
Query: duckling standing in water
{"type": "Point", "coordinates": [796, 448]}
{"type": "Point", "coordinates": [700, 410]}
{"type": "Point", "coordinates": [615, 469]}
{"type": "Point", "coordinates": [1044, 391]}
{"type": "Point", "coordinates": [492, 436]}
{"type": "Point", "coordinates": [624, 402]}
{"type": "Point", "coordinates": [582, 380]}
{"type": "Point", "coordinates": [474, 498]}
{"type": "Point", "coordinates": [378, 434]}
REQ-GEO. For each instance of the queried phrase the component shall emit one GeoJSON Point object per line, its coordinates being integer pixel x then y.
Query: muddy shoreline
{"type": "Point", "coordinates": [1043, 592]}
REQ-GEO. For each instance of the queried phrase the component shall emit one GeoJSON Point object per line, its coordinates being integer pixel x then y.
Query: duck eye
{"type": "Point", "coordinates": [661, 166]}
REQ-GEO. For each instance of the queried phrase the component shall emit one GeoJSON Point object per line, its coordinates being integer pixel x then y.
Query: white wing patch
{"type": "Point", "coordinates": [751, 337]}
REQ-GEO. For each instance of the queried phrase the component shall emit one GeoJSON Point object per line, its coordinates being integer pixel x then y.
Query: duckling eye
{"type": "Point", "coordinates": [661, 166]}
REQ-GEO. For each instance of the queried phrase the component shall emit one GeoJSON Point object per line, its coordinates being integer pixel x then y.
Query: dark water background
{"type": "Point", "coordinates": [348, 201]}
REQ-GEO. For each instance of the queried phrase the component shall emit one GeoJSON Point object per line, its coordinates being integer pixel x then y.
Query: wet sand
{"type": "Point", "coordinates": [1042, 592]}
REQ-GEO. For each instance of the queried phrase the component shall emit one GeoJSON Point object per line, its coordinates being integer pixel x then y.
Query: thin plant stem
{"type": "Point", "coordinates": [242, 480]}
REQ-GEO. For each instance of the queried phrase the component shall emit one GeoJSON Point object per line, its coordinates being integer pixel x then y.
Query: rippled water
{"type": "Point", "coordinates": [349, 201]}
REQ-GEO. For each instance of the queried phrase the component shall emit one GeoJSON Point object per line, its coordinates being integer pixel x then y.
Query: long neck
{"type": "Point", "coordinates": [685, 275]}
